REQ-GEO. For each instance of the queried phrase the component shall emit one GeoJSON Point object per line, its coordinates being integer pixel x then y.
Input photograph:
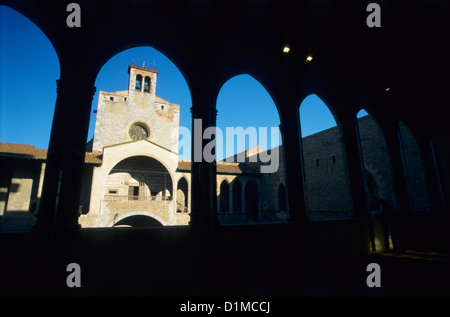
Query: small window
{"type": "Point", "coordinates": [317, 162]}
{"type": "Point", "coordinates": [124, 98]}
{"type": "Point", "coordinates": [333, 158]}
{"type": "Point", "coordinates": [112, 192]}
{"type": "Point", "coordinates": [111, 98]}
{"type": "Point", "coordinates": [162, 107]}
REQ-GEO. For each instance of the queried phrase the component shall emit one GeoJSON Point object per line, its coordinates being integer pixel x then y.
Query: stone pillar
{"type": "Point", "coordinates": [400, 186]}
{"type": "Point", "coordinates": [59, 205]}
{"type": "Point", "coordinates": [355, 165]}
{"type": "Point", "coordinates": [203, 173]}
{"type": "Point", "coordinates": [435, 193]}
{"type": "Point", "coordinates": [293, 157]}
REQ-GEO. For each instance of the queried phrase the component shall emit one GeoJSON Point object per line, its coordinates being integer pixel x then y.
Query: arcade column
{"type": "Point", "coordinates": [203, 169]}
{"type": "Point", "coordinates": [293, 156]}
{"type": "Point", "coordinates": [355, 165]}
{"type": "Point", "coordinates": [400, 185]}
{"type": "Point", "coordinates": [59, 205]}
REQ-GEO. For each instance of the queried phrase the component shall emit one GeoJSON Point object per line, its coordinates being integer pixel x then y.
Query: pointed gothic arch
{"type": "Point", "coordinates": [326, 181]}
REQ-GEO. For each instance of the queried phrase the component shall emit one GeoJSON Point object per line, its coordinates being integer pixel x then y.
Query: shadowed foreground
{"type": "Point", "coordinates": [325, 259]}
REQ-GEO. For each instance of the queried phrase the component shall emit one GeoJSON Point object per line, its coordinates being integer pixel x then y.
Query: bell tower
{"type": "Point", "coordinates": [136, 113]}
{"type": "Point", "coordinates": [142, 82]}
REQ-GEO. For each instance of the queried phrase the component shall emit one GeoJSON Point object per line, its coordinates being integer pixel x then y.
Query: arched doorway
{"type": "Point", "coordinates": [138, 178]}
{"type": "Point", "coordinates": [138, 221]}
{"type": "Point", "coordinates": [224, 197]}
{"type": "Point", "coordinates": [182, 195]}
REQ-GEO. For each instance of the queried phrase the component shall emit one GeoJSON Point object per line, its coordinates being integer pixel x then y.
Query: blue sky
{"type": "Point", "coordinates": [29, 70]}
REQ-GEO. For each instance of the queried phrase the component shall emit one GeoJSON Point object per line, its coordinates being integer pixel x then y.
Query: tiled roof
{"type": "Point", "coordinates": [93, 157]}
{"type": "Point", "coordinates": [31, 152]}
{"type": "Point", "coordinates": [22, 151]}
{"type": "Point", "coordinates": [224, 167]}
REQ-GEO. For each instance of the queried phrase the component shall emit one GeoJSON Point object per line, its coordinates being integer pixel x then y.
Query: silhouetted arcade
{"type": "Point", "coordinates": [398, 73]}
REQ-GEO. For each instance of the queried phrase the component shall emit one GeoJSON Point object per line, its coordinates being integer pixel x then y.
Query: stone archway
{"type": "Point", "coordinates": [139, 178]}
{"type": "Point", "coordinates": [138, 219]}
{"type": "Point", "coordinates": [182, 195]}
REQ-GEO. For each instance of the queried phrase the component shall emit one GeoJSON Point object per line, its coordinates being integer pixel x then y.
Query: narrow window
{"type": "Point", "coordinates": [147, 84]}
{"type": "Point", "coordinates": [138, 84]}
{"type": "Point", "coordinates": [317, 162]}
{"type": "Point", "coordinates": [333, 158]}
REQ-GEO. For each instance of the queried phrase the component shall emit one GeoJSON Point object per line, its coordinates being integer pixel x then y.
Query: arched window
{"type": "Point", "coordinates": [237, 196]}
{"type": "Point", "coordinates": [327, 186]}
{"type": "Point", "coordinates": [19, 197]}
{"type": "Point", "coordinates": [161, 193]}
{"type": "Point", "coordinates": [254, 98]}
{"type": "Point", "coordinates": [377, 167]}
{"type": "Point", "coordinates": [224, 197]}
{"type": "Point", "coordinates": [138, 84]}
{"type": "Point", "coordinates": [250, 139]}
{"type": "Point", "coordinates": [147, 84]}
{"type": "Point", "coordinates": [282, 197]}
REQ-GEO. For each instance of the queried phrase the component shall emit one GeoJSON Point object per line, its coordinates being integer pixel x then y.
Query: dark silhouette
{"type": "Point", "coordinates": [390, 224]}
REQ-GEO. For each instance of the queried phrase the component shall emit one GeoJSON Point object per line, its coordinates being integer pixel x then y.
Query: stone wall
{"type": "Point", "coordinates": [114, 211]}
{"type": "Point", "coordinates": [20, 193]}
{"type": "Point", "coordinates": [415, 173]}
{"type": "Point", "coordinates": [376, 159]}
{"type": "Point", "coordinates": [327, 186]}
{"type": "Point", "coordinates": [118, 111]}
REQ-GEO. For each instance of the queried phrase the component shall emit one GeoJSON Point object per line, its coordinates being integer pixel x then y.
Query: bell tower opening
{"type": "Point", "coordinates": [147, 84]}
{"type": "Point", "coordinates": [142, 80]}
